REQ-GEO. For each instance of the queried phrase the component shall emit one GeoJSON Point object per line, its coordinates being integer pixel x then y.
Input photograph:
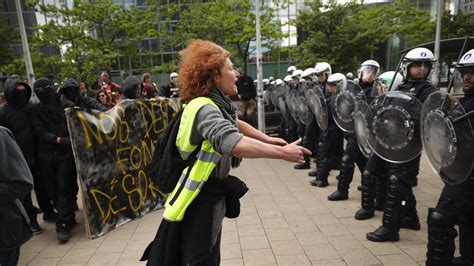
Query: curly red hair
{"type": "Point", "coordinates": [199, 67]}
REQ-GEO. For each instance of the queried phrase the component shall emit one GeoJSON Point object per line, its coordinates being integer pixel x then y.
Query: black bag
{"type": "Point", "coordinates": [166, 165]}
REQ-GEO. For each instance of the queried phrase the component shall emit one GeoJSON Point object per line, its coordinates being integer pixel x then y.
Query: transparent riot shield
{"type": "Point", "coordinates": [304, 114]}
{"type": "Point", "coordinates": [343, 104]}
{"type": "Point", "coordinates": [447, 143]}
{"type": "Point", "coordinates": [361, 127]}
{"type": "Point", "coordinates": [317, 104]}
{"type": "Point", "coordinates": [394, 126]}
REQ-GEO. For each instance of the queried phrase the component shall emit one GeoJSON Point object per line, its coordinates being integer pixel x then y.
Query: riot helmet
{"type": "Point", "coordinates": [287, 78]}
{"type": "Point", "coordinates": [386, 78]}
{"type": "Point", "coordinates": [308, 74]}
{"type": "Point", "coordinates": [349, 75]}
{"type": "Point", "coordinates": [290, 70]}
{"type": "Point", "coordinates": [465, 66]}
{"type": "Point", "coordinates": [271, 79]}
{"type": "Point", "coordinates": [266, 82]}
{"type": "Point", "coordinates": [173, 75]}
{"type": "Point", "coordinates": [323, 68]}
{"type": "Point", "coordinates": [368, 71]}
{"type": "Point", "coordinates": [417, 64]}
{"type": "Point", "coordinates": [278, 82]}
{"type": "Point", "coordinates": [336, 82]}
{"type": "Point", "coordinates": [297, 74]}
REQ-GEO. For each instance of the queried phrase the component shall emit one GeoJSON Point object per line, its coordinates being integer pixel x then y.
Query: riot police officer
{"type": "Point", "coordinates": [400, 200]}
{"type": "Point", "coordinates": [331, 138]}
{"type": "Point", "coordinates": [352, 154]}
{"type": "Point", "coordinates": [456, 202]}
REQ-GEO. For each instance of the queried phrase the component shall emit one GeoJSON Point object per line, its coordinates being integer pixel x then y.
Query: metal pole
{"type": "Point", "coordinates": [24, 41]}
{"type": "Point", "coordinates": [260, 109]}
{"type": "Point", "coordinates": [437, 65]}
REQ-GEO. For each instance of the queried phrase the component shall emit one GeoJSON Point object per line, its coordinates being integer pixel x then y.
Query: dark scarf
{"type": "Point", "coordinates": [228, 109]}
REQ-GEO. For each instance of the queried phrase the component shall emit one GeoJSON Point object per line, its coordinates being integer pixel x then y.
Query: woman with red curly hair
{"type": "Point", "coordinates": [205, 70]}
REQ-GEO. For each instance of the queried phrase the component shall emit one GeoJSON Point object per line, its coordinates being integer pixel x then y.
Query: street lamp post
{"type": "Point", "coordinates": [260, 107]}
{"type": "Point", "coordinates": [24, 41]}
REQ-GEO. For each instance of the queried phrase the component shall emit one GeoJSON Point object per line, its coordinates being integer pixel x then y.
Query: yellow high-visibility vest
{"type": "Point", "coordinates": [207, 159]}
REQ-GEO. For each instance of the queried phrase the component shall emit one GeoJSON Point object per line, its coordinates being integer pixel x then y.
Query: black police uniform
{"type": "Point", "coordinates": [400, 200]}
{"type": "Point", "coordinates": [330, 149]}
{"type": "Point", "coordinates": [351, 155]}
{"type": "Point", "coordinates": [455, 206]}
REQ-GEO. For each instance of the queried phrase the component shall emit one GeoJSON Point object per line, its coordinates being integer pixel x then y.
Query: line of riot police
{"type": "Point", "coordinates": [386, 121]}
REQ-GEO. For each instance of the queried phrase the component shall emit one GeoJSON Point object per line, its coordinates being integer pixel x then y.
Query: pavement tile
{"type": "Point", "coordinates": [251, 230]}
{"type": "Point", "coordinates": [358, 257]}
{"type": "Point", "coordinates": [383, 248]}
{"type": "Point", "coordinates": [280, 234]}
{"type": "Point", "coordinates": [85, 242]}
{"type": "Point", "coordinates": [334, 262]}
{"type": "Point", "coordinates": [320, 219]}
{"type": "Point", "coordinates": [418, 251]}
{"type": "Point", "coordinates": [133, 252]}
{"type": "Point", "coordinates": [130, 262]}
{"type": "Point", "coordinates": [54, 251]}
{"type": "Point", "coordinates": [303, 226]}
{"type": "Point", "coordinates": [248, 220]}
{"type": "Point", "coordinates": [321, 252]}
{"type": "Point", "coordinates": [112, 246]}
{"type": "Point", "coordinates": [336, 229]}
{"type": "Point", "coordinates": [311, 238]}
{"type": "Point", "coordinates": [299, 259]}
{"type": "Point", "coordinates": [286, 247]}
{"type": "Point", "coordinates": [258, 257]}
{"type": "Point", "coordinates": [25, 258]}
{"type": "Point", "coordinates": [44, 262]}
{"type": "Point", "coordinates": [270, 213]}
{"type": "Point", "coordinates": [35, 246]}
{"type": "Point", "coordinates": [232, 262]}
{"type": "Point", "coordinates": [254, 242]}
{"type": "Point", "coordinates": [104, 259]}
{"type": "Point", "coordinates": [231, 237]}
{"type": "Point", "coordinates": [345, 242]}
{"type": "Point", "coordinates": [231, 251]}
{"type": "Point", "coordinates": [78, 256]}
{"type": "Point", "coordinates": [271, 223]}
{"type": "Point", "coordinates": [397, 259]}
{"type": "Point", "coordinates": [229, 225]}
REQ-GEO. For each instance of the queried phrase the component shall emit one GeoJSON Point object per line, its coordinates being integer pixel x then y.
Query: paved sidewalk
{"type": "Point", "coordinates": [283, 221]}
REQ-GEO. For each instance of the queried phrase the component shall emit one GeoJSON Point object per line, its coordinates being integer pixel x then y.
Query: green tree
{"type": "Point", "coordinates": [230, 23]}
{"type": "Point", "coordinates": [345, 35]}
{"type": "Point", "coordinates": [8, 35]}
{"type": "Point", "coordinates": [88, 36]}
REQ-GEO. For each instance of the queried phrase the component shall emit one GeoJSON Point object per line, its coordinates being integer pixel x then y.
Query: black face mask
{"type": "Point", "coordinates": [131, 93]}
{"type": "Point", "coordinates": [46, 96]}
{"type": "Point", "coordinates": [71, 93]}
{"type": "Point", "coordinates": [20, 97]}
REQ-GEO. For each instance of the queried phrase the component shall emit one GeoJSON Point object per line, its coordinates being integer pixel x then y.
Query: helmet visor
{"type": "Point", "coordinates": [368, 74]}
{"type": "Point", "coordinates": [419, 70]}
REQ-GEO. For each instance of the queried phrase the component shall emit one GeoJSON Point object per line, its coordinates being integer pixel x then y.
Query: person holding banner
{"type": "Point", "coordinates": [56, 160]}
{"type": "Point", "coordinates": [190, 232]}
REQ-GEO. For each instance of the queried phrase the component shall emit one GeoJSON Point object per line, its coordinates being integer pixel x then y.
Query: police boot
{"type": "Point", "coordinates": [391, 216]}
{"type": "Point", "coordinates": [63, 231]}
{"type": "Point", "coordinates": [313, 172]}
{"type": "Point", "coordinates": [380, 191]}
{"type": "Point", "coordinates": [410, 222]}
{"type": "Point", "coordinates": [305, 165]}
{"type": "Point", "coordinates": [367, 199]}
{"type": "Point", "coordinates": [466, 244]}
{"type": "Point", "coordinates": [441, 235]}
{"type": "Point", "coordinates": [319, 182]}
{"type": "Point", "coordinates": [344, 179]}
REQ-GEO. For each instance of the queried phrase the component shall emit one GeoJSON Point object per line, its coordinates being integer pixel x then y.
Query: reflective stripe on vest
{"type": "Point", "coordinates": [206, 160]}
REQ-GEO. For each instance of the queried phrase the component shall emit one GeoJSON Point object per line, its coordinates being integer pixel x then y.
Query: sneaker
{"type": "Point", "coordinates": [63, 234]}
{"type": "Point", "coordinates": [35, 228]}
{"type": "Point", "coordinates": [50, 217]}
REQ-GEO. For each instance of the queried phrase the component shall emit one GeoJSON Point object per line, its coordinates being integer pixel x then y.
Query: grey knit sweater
{"type": "Point", "coordinates": [210, 124]}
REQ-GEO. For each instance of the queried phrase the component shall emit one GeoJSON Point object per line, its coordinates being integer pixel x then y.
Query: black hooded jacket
{"type": "Point", "coordinates": [15, 183]}
{"type": "Point", "coordinates": [18, 120]}
{"type": "Point", "coordinates": [79, 100]}
{"type": "Point", "coordinates": [49, 123]}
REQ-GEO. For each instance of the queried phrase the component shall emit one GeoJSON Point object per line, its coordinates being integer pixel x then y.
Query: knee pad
{"type": "Point", "coordinates": [437, 218]}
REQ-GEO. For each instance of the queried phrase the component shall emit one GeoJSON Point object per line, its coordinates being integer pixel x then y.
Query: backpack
{"type": "Point", "coordinates": [167, 165]}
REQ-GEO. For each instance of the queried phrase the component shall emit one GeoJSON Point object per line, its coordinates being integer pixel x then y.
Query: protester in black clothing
{"type": "Point", "coordinates": [400, 200]}
{"type": "Point", "coordinates": [131, 88]}
{"type": "Point", "coordinates": [247, 94]}
{"type": "Point", "coordinates": [16, 183]}
{"type": "Point", "coordinates": [16, 116]}
{"type": "Point", "coordinates": [456, 203]}
{"type": "Point", "coordinates": [55, 154]}
{"type": "Point", "coordinates": [71, 91]}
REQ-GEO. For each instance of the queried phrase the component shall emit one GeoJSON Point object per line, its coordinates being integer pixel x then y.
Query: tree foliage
{"type": "Point", "coordinates": [87, 37]}
{"type": "Point", "coordinates": [229, 23]}
{"type": "Point", "coordinates": [345, 35]}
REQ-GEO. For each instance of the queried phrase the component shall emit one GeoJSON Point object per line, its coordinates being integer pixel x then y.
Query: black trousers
{"type": "Point", "coordinates": [58, 171]}
{"type": "Point", "coordinates": [42, 196]}
{"type": "Point", "coordinates": [330, 146]}
{"type": "Point", "coordinates": [352, 155]}
{"type": "Point", "coordinates": [311, 137]}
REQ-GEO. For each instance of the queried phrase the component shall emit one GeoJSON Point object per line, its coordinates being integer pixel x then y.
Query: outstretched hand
{"type": "Point", "coordinates": [295, 153]}
{"type": "Point", "coordinates": [276, 141]}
